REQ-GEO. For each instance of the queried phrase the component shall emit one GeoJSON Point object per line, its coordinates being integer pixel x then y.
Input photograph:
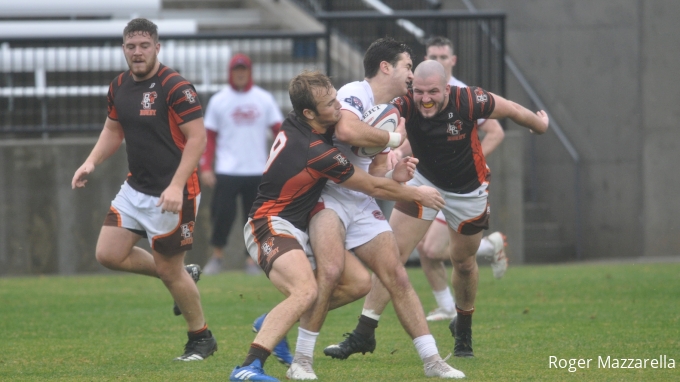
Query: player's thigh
{"type": "Point", "coordinates": [380, 253]}
{"type": "Point", "coordinates": [464, 247]}
{"type": "Point", "coordinates": [292, 273]}
{"type": "Point", "coordinates": [408, 231]}
{"type": "Point", "coordinates": [115, 243]}
{"type": "Point", "coordinates": [355, 273]}
{"type": "Point", "coordinates": [327, 236]}
{"type": "Point", "coordinates": [435, 242]}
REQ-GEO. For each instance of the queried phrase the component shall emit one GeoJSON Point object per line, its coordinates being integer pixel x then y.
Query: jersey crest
{"type": "Point", "coordinates": [356, 103]}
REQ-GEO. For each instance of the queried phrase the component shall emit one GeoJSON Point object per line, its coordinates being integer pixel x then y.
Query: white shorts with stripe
{"type": "Point", "coordinates": [464, 213]}
{"type": "Point", "coordinates": [167, 233]}
{"type": "Point", "coordinates": [270, 237]}
{"type": "Point", "coordinates": [360, 214]}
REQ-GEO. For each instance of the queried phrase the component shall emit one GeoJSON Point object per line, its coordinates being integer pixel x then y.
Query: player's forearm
{"type": "Point", "coordinates": [525, 117]}
{"type": "Point", "coordinates": [193, 149]}
{"type": "Point", "coordinates": [388, 189]}
{"type": "Point", "coordinates": [358, 133]}
{"type": "Point", "coordinates": [493, 137]}
{"type": "Point", "coordinates": [378, 166]}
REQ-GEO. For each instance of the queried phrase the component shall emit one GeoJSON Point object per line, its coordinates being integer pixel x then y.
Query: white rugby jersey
{"type": "Point", "coordinates": [242, 121]}
{"type": "Point", "coordinates": [356, 97]}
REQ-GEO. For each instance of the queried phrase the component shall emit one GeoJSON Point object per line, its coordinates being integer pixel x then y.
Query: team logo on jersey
{"type": "Point", "coordinates": [268, 247]}
{"type": "Point", "coordinates": [190, 95]}
{"type": "Point", "coordinates": [355, 103]}
{"type": "Point", "coordinates": [187, 232]}
{"type": "Point", "coordinates": [378, 215]}
{"type": "Point", "coordinates": [342, 161]}
{"type": "Point", "coordinates": [148, 99]}
{"type": "Point", "coordinates": [152, 85]}
{"type": "Point", "coordinates": [481, 96]}
{"type": "Point", "coordinates": [450, 115]}
{"type": "Point", "coordinates": [455, 131]}
{"type": "Point", "coordinates": [455, 128]}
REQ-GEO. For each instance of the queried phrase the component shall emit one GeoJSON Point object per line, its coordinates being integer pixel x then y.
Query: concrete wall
{"type": "Point", "coordinates": [606, 70]}
{"type": "Point", "coordinates": [46, 227]}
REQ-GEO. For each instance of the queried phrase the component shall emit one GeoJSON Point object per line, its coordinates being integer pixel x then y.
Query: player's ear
{"type": "Point", "coordinates": [385, 67]}
{"type": "Point", "coordinates": [309, 114]}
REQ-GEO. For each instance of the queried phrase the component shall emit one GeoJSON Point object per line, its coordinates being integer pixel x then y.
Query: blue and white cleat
{"type": "Point", "coordinates": [281, 350]}
{"type": "Point", "coordinates": [252, 372]}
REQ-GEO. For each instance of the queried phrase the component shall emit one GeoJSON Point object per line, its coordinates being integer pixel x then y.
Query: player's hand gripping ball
{"type": "Point", "coordinates": [384, 117]}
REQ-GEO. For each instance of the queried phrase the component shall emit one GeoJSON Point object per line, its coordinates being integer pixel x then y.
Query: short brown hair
{"type": "Point", "coordinates": [141, 25]}
{"type": "Point", "coordinates": [301, 90]}
{"type": "Point", "coordinates": [439, 41]}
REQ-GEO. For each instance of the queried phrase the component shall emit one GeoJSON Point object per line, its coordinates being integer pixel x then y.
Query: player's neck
{"type": "Point", "coordinates": [382, 92]}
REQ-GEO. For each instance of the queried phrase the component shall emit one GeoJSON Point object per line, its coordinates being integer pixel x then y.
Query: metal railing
{"type": "Point", "coordinates": [480, 63]}
{"type": "Point", "coordinates": [60, 85]}
{"type": "Point", "coordinates": [56, 85]}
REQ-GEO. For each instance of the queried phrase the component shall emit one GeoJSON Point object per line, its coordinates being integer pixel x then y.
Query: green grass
{"type": "Point", "coordinates": [120, 327]}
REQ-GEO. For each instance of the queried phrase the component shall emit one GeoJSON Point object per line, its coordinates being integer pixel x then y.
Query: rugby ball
{"type": "Point", "coordinates": [384, 117]}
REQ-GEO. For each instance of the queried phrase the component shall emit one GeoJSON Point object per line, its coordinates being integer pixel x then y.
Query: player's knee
{"type": "Point", "coordinates": [465, 267]}
{"type": "Point", "coordinates": [361, 285]}
{"type": "Point", "coordinates": [329, 275]}
{"type": "Point", "coordinates": [307, 297]}
{"type": "Point", "coordinates": [107, 259]}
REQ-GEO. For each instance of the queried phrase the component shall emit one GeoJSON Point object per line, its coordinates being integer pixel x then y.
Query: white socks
{"type": "Point", "coordinates": [305, 342]}
{"type": "Point", "coordinates": [485, 248]}
{"type": "Point", "coordinates": [444, 299]}
{"type": "Point", "coordinates": [425, 346]}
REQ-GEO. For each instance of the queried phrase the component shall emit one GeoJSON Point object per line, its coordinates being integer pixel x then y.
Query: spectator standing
{"type": "Point", "coordinates": [238, 119]}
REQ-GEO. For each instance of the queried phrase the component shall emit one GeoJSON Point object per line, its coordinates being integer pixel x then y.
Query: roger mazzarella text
{"type": "Point", "coordinates": [609, 362]}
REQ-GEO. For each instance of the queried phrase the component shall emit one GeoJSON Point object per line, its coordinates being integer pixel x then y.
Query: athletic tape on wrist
{"type": "Point", "coordinates": [388, 175]}
{"type": "Point", "coordinates": [395, 140]}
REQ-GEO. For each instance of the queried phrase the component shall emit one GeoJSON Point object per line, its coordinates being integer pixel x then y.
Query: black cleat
{"type": "Point", "coordinates": [195, 271]}
{"type": "Point", "coordinates": [353, 343]}
{"type": "Point", "coordinates": [463, 339]}
{"type": "Point", "coordinates": [198, 350]}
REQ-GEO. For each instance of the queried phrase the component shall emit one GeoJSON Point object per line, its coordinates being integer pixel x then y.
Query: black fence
{"type": "Point", "coordinates": [50, 86]}
{"type": "Point", "coordinates": [479, 41]}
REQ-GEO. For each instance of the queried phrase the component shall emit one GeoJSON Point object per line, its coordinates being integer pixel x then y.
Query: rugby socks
{"type": "Point", "coordinates": [256, 352]}
{"type": "Point", "coordinates": [200, 333]}
{"type": "Point", "coordinates": [444, 299]}
{"type": "Point", "coordinates": [485, 248]}
{"type": "Point", "coordinates": [426, 347]}
{"type": "Point", "coordinates": [464, 319]}
{"type": "Point", "coordinates": [305, 342]}
{"type": "Point", "coordinates": [367, 325]}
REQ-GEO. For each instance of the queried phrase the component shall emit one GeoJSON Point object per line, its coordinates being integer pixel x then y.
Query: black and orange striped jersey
{"type": "Point", "coordinates": [447, 145]}
{"type": "Point", "coordinates": [151, 112]}
{"type": "Point", "coordinates": [299, 164]}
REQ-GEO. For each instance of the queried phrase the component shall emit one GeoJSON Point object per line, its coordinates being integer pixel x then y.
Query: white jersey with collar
{"type": "Point", "coordinates": [242, 121]}
{"type": "Point", "coordinates": [356, 97]}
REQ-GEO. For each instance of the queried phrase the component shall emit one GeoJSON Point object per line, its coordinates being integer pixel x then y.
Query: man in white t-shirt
{"type": "Point", "coordinates": [346, 219]}
{"type": "Point", "coordinates": [239, 120]}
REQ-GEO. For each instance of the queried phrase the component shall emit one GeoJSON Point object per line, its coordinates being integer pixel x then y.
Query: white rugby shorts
{"type": "Point", "coordinates": [360, 214]}
{"type": "Point", "coordinates": [168, 233]}
{"type": "Point", "coordinates": [464, 213]}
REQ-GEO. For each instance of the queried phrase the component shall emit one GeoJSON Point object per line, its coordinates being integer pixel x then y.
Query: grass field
{"type": "Point", "coordinates": [120, 327]}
